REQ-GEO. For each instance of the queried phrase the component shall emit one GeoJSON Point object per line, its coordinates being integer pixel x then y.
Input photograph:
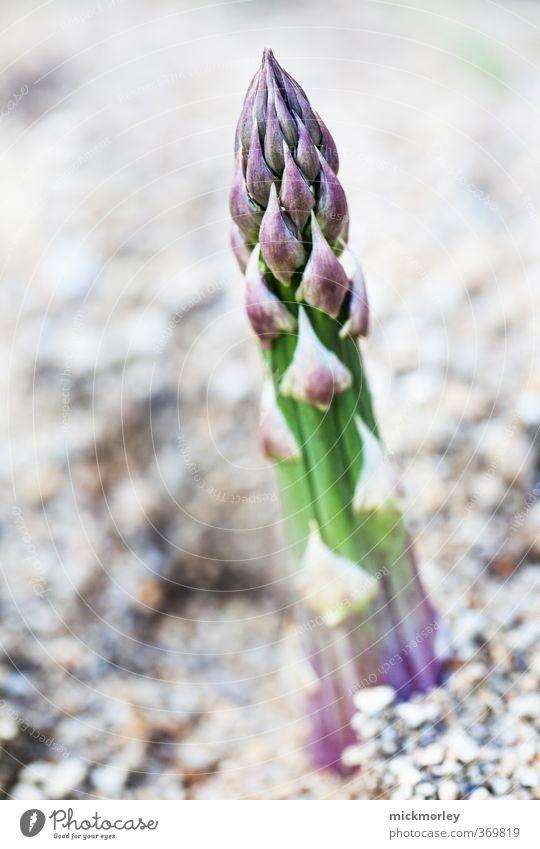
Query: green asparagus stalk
{"type": "Point", "coordinates": [365, 615]}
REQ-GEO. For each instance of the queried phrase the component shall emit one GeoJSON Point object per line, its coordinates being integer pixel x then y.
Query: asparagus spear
{"type": "Point", "coordinates": [366, 618]}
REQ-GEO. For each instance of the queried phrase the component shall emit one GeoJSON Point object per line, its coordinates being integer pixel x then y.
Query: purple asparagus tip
{"type": "Point", "coordinates": [367, 621]}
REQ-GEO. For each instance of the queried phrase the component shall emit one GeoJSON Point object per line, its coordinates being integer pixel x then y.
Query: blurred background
{"type": "Point", "coordinates": [147, 645]}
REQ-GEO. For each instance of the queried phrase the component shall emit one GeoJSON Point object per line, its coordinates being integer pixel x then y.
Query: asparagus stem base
{"type": "Point", "coordinates": [369, 649]}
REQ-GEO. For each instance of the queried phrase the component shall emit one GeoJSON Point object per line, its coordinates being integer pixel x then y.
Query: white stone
{"type": "Point", "coordinates": [26, 791]}
{"type": "Point", "coordinates": [480, 794]}
{"type": "Point", "coordinates": [365, 726]}
{"type": "Point", "coordinates": [525, 706]}
{"type": "Point", "coordinates": [509, 762]}
{"type": "Point", "coordinates": [71, 265]}
{"type": "Point", "coordinates": [109, 779]}
{"type": "Point", "coordinates": [528, 408]}
{"type": "Point", "coordinates": [64, 777]}
{"type": "Point", "coordinates": [402, 791]}
{"type": "Point", "coordinates": [448, 790]}
{"type": "Point", "coordinates": [35, 773]}
{"type": "Point", "coordinates": [353, 756]}
{"type": "Point", "coordinates": [8, 728]}
{"type": "Point", "coordinates": [430, 755]}
{"type": "Point", "coordinates": [529, 777]}
{"type": "Point", "coordinates": [525, 636]}
{"type": "Point", "coordinates": [449, 767]}
{"type": "Point", "coordinates": [425, 789]}
{"type": "Point", "coordinates": [415, 714]}
{"type": "Point", "coordinates": [404, 771]}
{"type": "Point", "coordinates": [471, 625]}
{"type": "Point", "coordinates": [462, 747]}
{"type": "Point", "coordinates": [500, 785]}
{"type": "Point", "coordinates": [373, 700]}
{"type": "Point", "coordinates": [468, 675]}
{"type": "Point", "coordinates": [525, 752]}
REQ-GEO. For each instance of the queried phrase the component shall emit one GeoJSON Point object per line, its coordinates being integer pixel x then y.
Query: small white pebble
{"type": "Point", "coordinates": [402, 791]}
{"type": "Point", "coordinates": [467, 676]}
{"type": "Point", "coordinates": [35, 773]}
{"type": "Point", "coordinates": [471, 625]}
{"type": "Point", "coordinates": [373, 700]}
{"type": "Point", "coordinates": [528, 408]}
{"type": "Point", "coordinates": [430, 755]}
{"type": "Point", "coordinates": [414, 715]}
{"type": "Point", "coordinates": [448, 790]}
{"type": "Point", "coordinates": [509, 731]}
{"type": "Point", "coordinates": [404, 771]}
{"type": "Point", "coordinates": [448, 767]}
{"type": "Point", "coordinates": [462, 746]}
{"type": "Point", "coordinates": [529, 777]}
{"type": "Point", "coordinates": [480, 794]}
{"type": "Point", "coordinates": [425, 789]}
{"type": "Point", "coordinates": [524, 636]}
{"type": "Point", "coordinates": [26, 791]}
{"type": "Point", "coordinates": [8, 728]}
{"type": "Point", "coordinates": [509, 762]}
{"type": "Point", "coordinates": [352, 756]}
{"type": "Point", "coordinates": [527, 707]}
{"type": "Point", "coordinates": [500, 785]}
{"type": "Point", "coordinates": [365, 727]}
{"type": "Point", "coordinates": [109, 779]}
{"type": "Point", "coordinates": [528, 683]}
{"type": "Point", "coordinates": [64, 777]}
{"type": "Point", "coordinates": [526, 752]}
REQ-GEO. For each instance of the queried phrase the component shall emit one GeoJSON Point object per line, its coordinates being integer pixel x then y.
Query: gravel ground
{"type": "Point", "coordinates": [147, 642]}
